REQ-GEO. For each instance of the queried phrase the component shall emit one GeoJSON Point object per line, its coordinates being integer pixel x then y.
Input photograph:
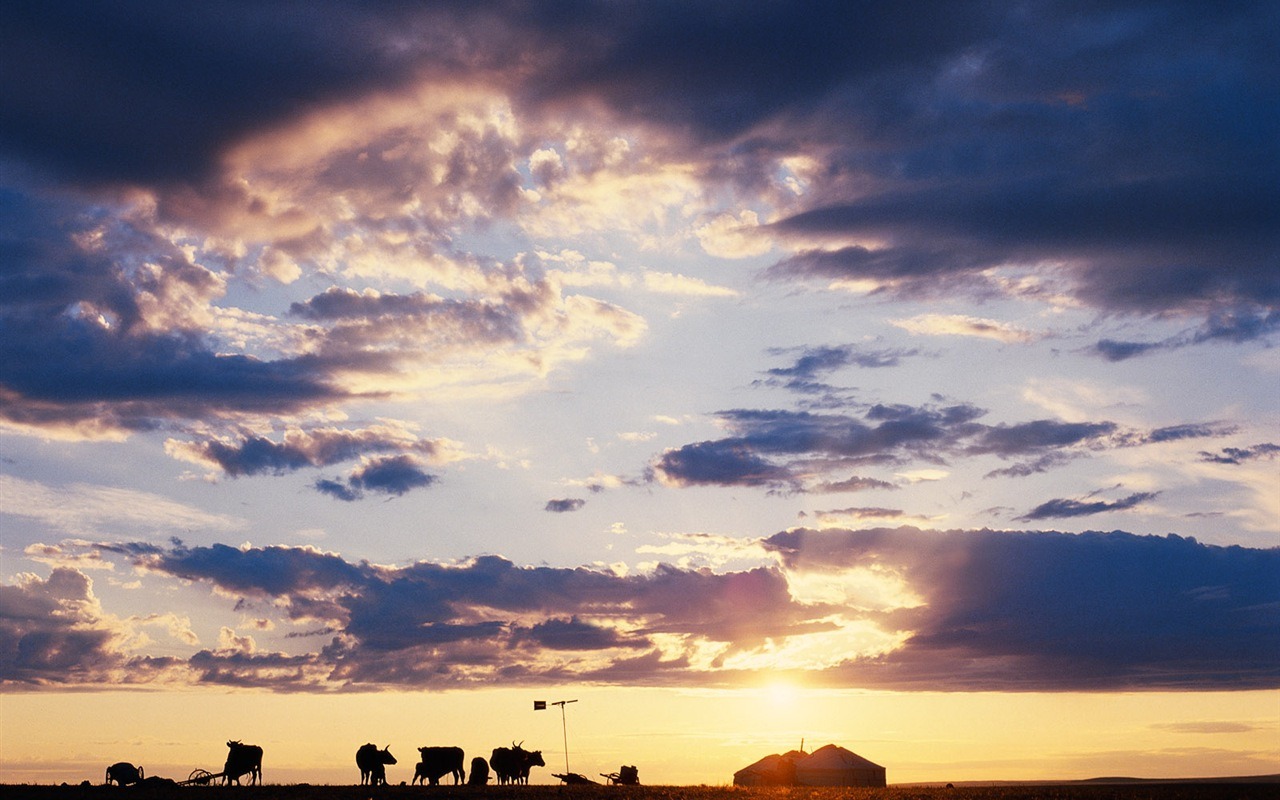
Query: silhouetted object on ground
{"type": "Point", "coordinates": [155, 782]}
{"type": "Point", "coordinates": [436, 762]}
{"type": "Point", "coordinates": [242, 759]}
{"type": "Point", "coordinates": [373, 764]}
{"type": "Point", "coordinates": [479, 772]}
{"type": "Point", "coordinates": [574, 779]}
{"type": "Point", "coordinates": [626, 776]}
{"type": "Point", "coordinates": [512, 764]}
{"type": "Point", "coordinates": [827, 766]}
{"type": "Point", "coordinates": [199, 777]}
{"type": "Point", "coordinates": [124, 774]}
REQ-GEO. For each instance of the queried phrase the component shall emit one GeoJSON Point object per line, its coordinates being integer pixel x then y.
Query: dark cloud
{"type": "Point", "coordinates": [854, 483]}
{"type": "Point", "coordinates": [788, 449]}
{"type": "Point", "coordinates": [1050, 611]}
{"type": "Point", "coordinates": [154, 93]}
{"type": "Point", "coordinates": [722, 463]}
{"type": "Point", "coordinates": [1062, 508]}
{"type": "Point", "coordinates": [1239, 455]}
{"type": "Point", "coordinates": [1223, 325]}
{"type": "Point", "coordinates": [1193, 430]}
{"type": "Point", "coordinates": [1038, 435]}
{"type": "Point", "coordinates": [365, 317]}
{"type": "Point", "coordinates": [817, 361]}
{"type": "Point", "coordinates": [565, 505]}
{"type": "Point", "coordinates": [572, 634]}
{"type": "Point", "coordinates": [50, 631]}
{"type": "Point", "coordinates": [390, 475]}
{"type": "Point", "coordinates": [435, 624]}
{"type": "Point", "coordinates": [777, 447]}
{"type": "Point", "coordinates": [990, 611]}
{"type": "Point", "coordinates": [255, 455]}
{"type": "Point", "coordinates": [83, 346]}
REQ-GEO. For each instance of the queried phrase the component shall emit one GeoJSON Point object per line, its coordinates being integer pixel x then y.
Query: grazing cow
{"type": "Point", "coordinates": [479, 772]}
{"type": "Point", "coordinates": [512, 764]}
{"type": "Point", "coordinates": [242, 759]}
{"type": "Point", "coordinates": [436, 762]}
{"type": "Point", "coordinates": [124, 774]}
{"type": "Point", "coordinates": [373, 764]}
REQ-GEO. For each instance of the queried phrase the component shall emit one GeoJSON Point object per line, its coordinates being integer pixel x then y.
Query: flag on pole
{"type": "Point", "coordinates": [539, 705]}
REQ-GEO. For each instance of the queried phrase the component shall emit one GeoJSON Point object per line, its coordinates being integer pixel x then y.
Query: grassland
{"type": "Point", "coordinates": [1228, 789]}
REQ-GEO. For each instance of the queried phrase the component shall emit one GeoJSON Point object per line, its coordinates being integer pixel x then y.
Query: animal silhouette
{"type": "Point", "coordinates": [436, 762]}
{"type": "Point", "coordinates": [479, 772]}
{"type": "Point", "coordinates": [512, 764]}
{"type": "Point", "coordinates": [242, 759]}
{"type": "Point", "coordinates": [124, 774]}
{"type": "Point", "coordinates": [373, 764]}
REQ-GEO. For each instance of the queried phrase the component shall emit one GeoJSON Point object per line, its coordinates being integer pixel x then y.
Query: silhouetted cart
{"type": "Point", "coordinates": [625, 776]}
{"type": "Point", "coordinates": [201, 777]}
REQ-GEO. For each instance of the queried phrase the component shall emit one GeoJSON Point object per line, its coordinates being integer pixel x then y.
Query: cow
{"type": "Point", "coordinates": [479, 772]}
{"type": "Point", "coordinates": [242, 759]}
{"type": "Point", "coordinates": [512, 764]}
{"type": "Point", "coordinates": [124, 774]}
{"type": "Point", "coordinates": [436, 762]}
{"type": "Point", "coordinates": [373, 764]}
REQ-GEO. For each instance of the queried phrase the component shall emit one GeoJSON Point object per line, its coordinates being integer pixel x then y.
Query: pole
{"type": "Point", "coordinates": [564, 728]}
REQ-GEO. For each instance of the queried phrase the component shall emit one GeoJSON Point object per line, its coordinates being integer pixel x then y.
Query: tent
{"type": "Point", "coordinates": [835, 766]}
{"type": "Point", "coordinates": [826, 766]}
{"type": "Point", "coordinates": [772, 770]}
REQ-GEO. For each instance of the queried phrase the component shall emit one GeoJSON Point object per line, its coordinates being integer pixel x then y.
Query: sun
{"type": "Point", "coordinates": [781, 693]}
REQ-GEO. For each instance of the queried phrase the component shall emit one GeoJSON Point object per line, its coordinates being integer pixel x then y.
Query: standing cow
{"type": "Point", "coordinates": [242, 759]}
{"type": "Point", "coordinates": [373, 764]}
{"type": "Point", "coordinates": [512, 764]}
{"type": "Point", "coordinates": [124, 774]}
{"type": "Point", "coordinates": [436, 762]}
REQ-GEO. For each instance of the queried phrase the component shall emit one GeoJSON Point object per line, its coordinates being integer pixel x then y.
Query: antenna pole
{"type": "Point", "coordinates": [564, 728]}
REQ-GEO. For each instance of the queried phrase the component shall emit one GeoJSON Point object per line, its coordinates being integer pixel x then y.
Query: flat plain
{"type": "Point", "coordinates": [1266, 788]}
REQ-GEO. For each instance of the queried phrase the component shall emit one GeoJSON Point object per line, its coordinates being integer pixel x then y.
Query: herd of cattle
{"type": "Point", "coordinates": [508, 765]}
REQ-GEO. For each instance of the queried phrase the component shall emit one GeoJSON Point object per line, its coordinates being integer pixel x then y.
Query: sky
{"type": "Point", "coordinates": [899, 375]}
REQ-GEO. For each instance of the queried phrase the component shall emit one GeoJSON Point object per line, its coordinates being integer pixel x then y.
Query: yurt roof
{"type": "Point", "coordinates": [770, 762]}
{"type": "Point", "coordinates": [834, 757]}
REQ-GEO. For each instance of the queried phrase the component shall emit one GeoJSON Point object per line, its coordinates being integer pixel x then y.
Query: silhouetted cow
{"type": "Point", "coordinates": [512, 764]}
{"type": "Point", "coordinates": [124, 773]}
{"type": "Point", "coordinates": [437, 762]}
{"type": "Point", "coordinates": [373, 764]}
{"type": "Point", "coordinates": [479, 772]}
{"type": "Point", "coordinates": [242, 759]}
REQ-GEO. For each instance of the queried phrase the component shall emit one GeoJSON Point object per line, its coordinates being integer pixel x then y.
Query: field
{"type": "Point", "coordinates": [1145, 790]}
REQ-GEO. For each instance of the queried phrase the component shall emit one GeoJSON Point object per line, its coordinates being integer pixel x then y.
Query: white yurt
{"type": "Point", "coordinates": [835, 766]}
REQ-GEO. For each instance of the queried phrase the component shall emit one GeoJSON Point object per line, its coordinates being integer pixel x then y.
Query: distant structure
{"type": "Point", "coordinates": [830, 765]}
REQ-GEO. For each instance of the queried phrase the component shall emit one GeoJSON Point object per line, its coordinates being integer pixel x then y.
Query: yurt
{"type": "Point", "coordinates": [834, 766]}
{"type": "Point", "coordinates": [773, 770]}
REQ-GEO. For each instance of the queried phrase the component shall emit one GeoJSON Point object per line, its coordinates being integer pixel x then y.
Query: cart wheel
{"type": "Point", "coordinates": [201, 777]}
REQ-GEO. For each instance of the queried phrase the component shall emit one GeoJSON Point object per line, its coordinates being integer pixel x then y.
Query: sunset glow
{"type": "Point", "coordinates": [895, 375]}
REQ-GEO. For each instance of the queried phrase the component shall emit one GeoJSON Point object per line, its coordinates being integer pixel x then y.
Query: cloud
{"type": "Point", "coordinates": [962, 325]}
{"type": "Point", "coordinates": [1223, 325]}
{"type": "Point", "coordinates": [565, 505]}
{"type": "Point", "coordinates": [816, 361]}
{"type": "Point", "coordinates": [781, 448]}
{"type": "Point", "coordinates": [299, 448]}
{"type": "Point", "coordinates": [1239, 455]}
{"type": "Point", "coordinates": [390, 475]}
{"type": "Point", "coordinates": [1050, 611]}
{"type": "Point", "coordinates": [935, 610]}
{"type": "Point", "coordinates": [1061, 508]}
{"type": "Point", "coordinates": [87, 509]}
